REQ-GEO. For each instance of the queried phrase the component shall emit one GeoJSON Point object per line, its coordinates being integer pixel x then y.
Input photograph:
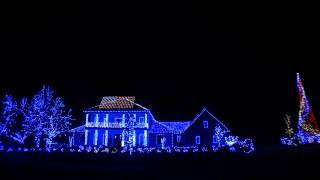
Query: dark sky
{"type": "Point", "coordinates": [175, 58]}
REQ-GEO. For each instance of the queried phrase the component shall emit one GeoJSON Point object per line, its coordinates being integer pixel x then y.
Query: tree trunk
{"type": "Point", "coordinates": [48, 142]}
{"type": "Point", "coordinates": [37, 139]}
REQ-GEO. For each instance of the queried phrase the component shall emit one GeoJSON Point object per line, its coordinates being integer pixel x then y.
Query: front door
{"type": "Point", "coordinates": [140, 140]}
{"type": "Point", "coordinates": [117, 140]}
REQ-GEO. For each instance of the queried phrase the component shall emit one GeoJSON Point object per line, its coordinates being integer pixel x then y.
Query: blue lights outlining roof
{"type": "Point", "coordinates": [78, 129]}
{"type": "Point", "coordinates": [177, 127]}
{"type": "Point", "coordinates": [203, 111]}
{"type": "Point", "coordinates": [124, 111]}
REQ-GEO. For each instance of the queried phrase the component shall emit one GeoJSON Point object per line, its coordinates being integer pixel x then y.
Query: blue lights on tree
{"type": "Point", "coordinates": [9, 114]}
{"type": "Point", "coordinates": [44, 115]}
{"type": "Point", "coordinates": [218, 134]}
{"type": "Point", "coordinates": [129, 131]}
{"type": "Point", "coordinates": [49, 115]}
{"type": "Point", "coordinates": [14, 124]}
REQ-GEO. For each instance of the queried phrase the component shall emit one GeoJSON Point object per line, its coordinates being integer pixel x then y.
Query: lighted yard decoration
{"type": "Point", "coordinates": [308, 131]}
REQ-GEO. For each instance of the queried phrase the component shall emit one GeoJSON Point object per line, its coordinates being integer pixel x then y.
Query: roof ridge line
{"type": "Point", "coordinates": [202, 111]}
{"type": "Point", "coordinates": [137, 104]}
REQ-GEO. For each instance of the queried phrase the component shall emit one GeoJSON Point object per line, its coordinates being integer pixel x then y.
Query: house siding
{"type": "Point", "coordinates": [197, 129]}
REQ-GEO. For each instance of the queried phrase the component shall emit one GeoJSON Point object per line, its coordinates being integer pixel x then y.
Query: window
{"type": "Point", "coordinates": [205, 124]}
{"type": "Point", "coordinates": [82, 137]}
{"type": "Point", "coordinates": [118, 119]}
{"type": "Point", "coordinates": [215, 140]}
{"type": "Point", "coordinates": [159, 137]}
{"type": "Point", "coordinates": [141, 119]}
{"type": "Point", "coordinates": [197, 139]}
{"type": "Point", "coordinates": [178, 138]}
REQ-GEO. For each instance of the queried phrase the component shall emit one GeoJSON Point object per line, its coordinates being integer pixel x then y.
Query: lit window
{"type": "Point", "coordinates": [141, 119]}
{"type": "Point", "coordinates": [197, 139]}
{"type": "Point", "coordinates": [205, 124]}
{"type": "Point", "coordinates": [178, 138]}
{"type": "Point", "coordinates": [118, 119]}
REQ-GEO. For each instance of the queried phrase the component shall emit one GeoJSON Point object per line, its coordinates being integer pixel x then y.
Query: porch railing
{"type": "Point", "coordinates": [115, 125]}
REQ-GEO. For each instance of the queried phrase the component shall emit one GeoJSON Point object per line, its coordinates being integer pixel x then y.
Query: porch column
{"type": "Point", "coordinates": [134, 138]}
{"type": "Point", "coordinates": [86, 137]}
{"type": "Point", "coordinates": [95, 137]}
{"type": "Point", "coordinates": [97, 120]}
{"type": "Point", "coordinates": [123, 120]}
{"type": "Point", "coordinates": [146, 120]}
{"type": "Point", "coordinates": [122, 139]}
{"type": "Point", "coordinates": [87, 119]}
{"type": "Point", "coordinates": [145, 138]}
{"type": "Point", "coordinates": [106, 121]}
{"type": "Point", "coordinates": [106, 138]}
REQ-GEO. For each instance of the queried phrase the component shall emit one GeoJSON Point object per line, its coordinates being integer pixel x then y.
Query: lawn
{"type": "Point", "coordinates": [267, 161]}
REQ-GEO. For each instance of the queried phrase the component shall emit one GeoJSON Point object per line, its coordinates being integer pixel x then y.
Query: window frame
{"type": "Point", "coordinates": [140, 119]}
{"type": "Point", "coordinates": [198, 138]}
{"type": "Point", "coordinates": [214, 139]}
{"type": "Point", "coordinates": [205, 124]}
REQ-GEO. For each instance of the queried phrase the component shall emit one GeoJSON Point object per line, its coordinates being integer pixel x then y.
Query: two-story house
{"type": "Point", "coordinates": [107, 124]}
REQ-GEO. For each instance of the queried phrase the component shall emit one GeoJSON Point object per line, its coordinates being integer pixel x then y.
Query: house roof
{"type": "Point", "coordinates": [117, 102]}
{"type": "Point", "coordinates": [158, 127]}
{"type": "Point", "coordinates": [114, 103]}
{"type": "Point", "coordinates": [181, 126]}
{"type": "Point", "coordinates": [78, 129]}
{"type": "Point", "coordinates": [177, 127]}
{"type": "Point", "coordinates": [204, 110]}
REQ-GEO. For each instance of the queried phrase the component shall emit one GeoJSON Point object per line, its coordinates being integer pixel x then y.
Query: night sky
{"type": "Point", "coordinates": [176, 58]}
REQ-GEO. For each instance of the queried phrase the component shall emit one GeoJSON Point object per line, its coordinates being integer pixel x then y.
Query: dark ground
{"type": "Point", "coordinates": [267, 162]}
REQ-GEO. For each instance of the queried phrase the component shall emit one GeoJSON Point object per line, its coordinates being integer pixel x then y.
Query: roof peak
{"type": "Point", "coordinates": [206, 110]}
{"type": "Point", "coordinates": [117, 102]}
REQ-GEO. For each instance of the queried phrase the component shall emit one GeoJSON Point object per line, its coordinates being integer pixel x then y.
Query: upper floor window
{"type": "Point", "coordinates": [118, 119]}
{"type": "Point", "coordinates": [205, 124]}
{"type": "Point", "coordinates": [91, 118]}
{"type": "Point", "coordinates": [141, 119]}
{"type": "Point", "coordinates": [197, 139]}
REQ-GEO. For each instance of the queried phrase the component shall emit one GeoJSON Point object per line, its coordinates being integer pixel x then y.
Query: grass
{"type": "Point", "coordinates": [266, 162]}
